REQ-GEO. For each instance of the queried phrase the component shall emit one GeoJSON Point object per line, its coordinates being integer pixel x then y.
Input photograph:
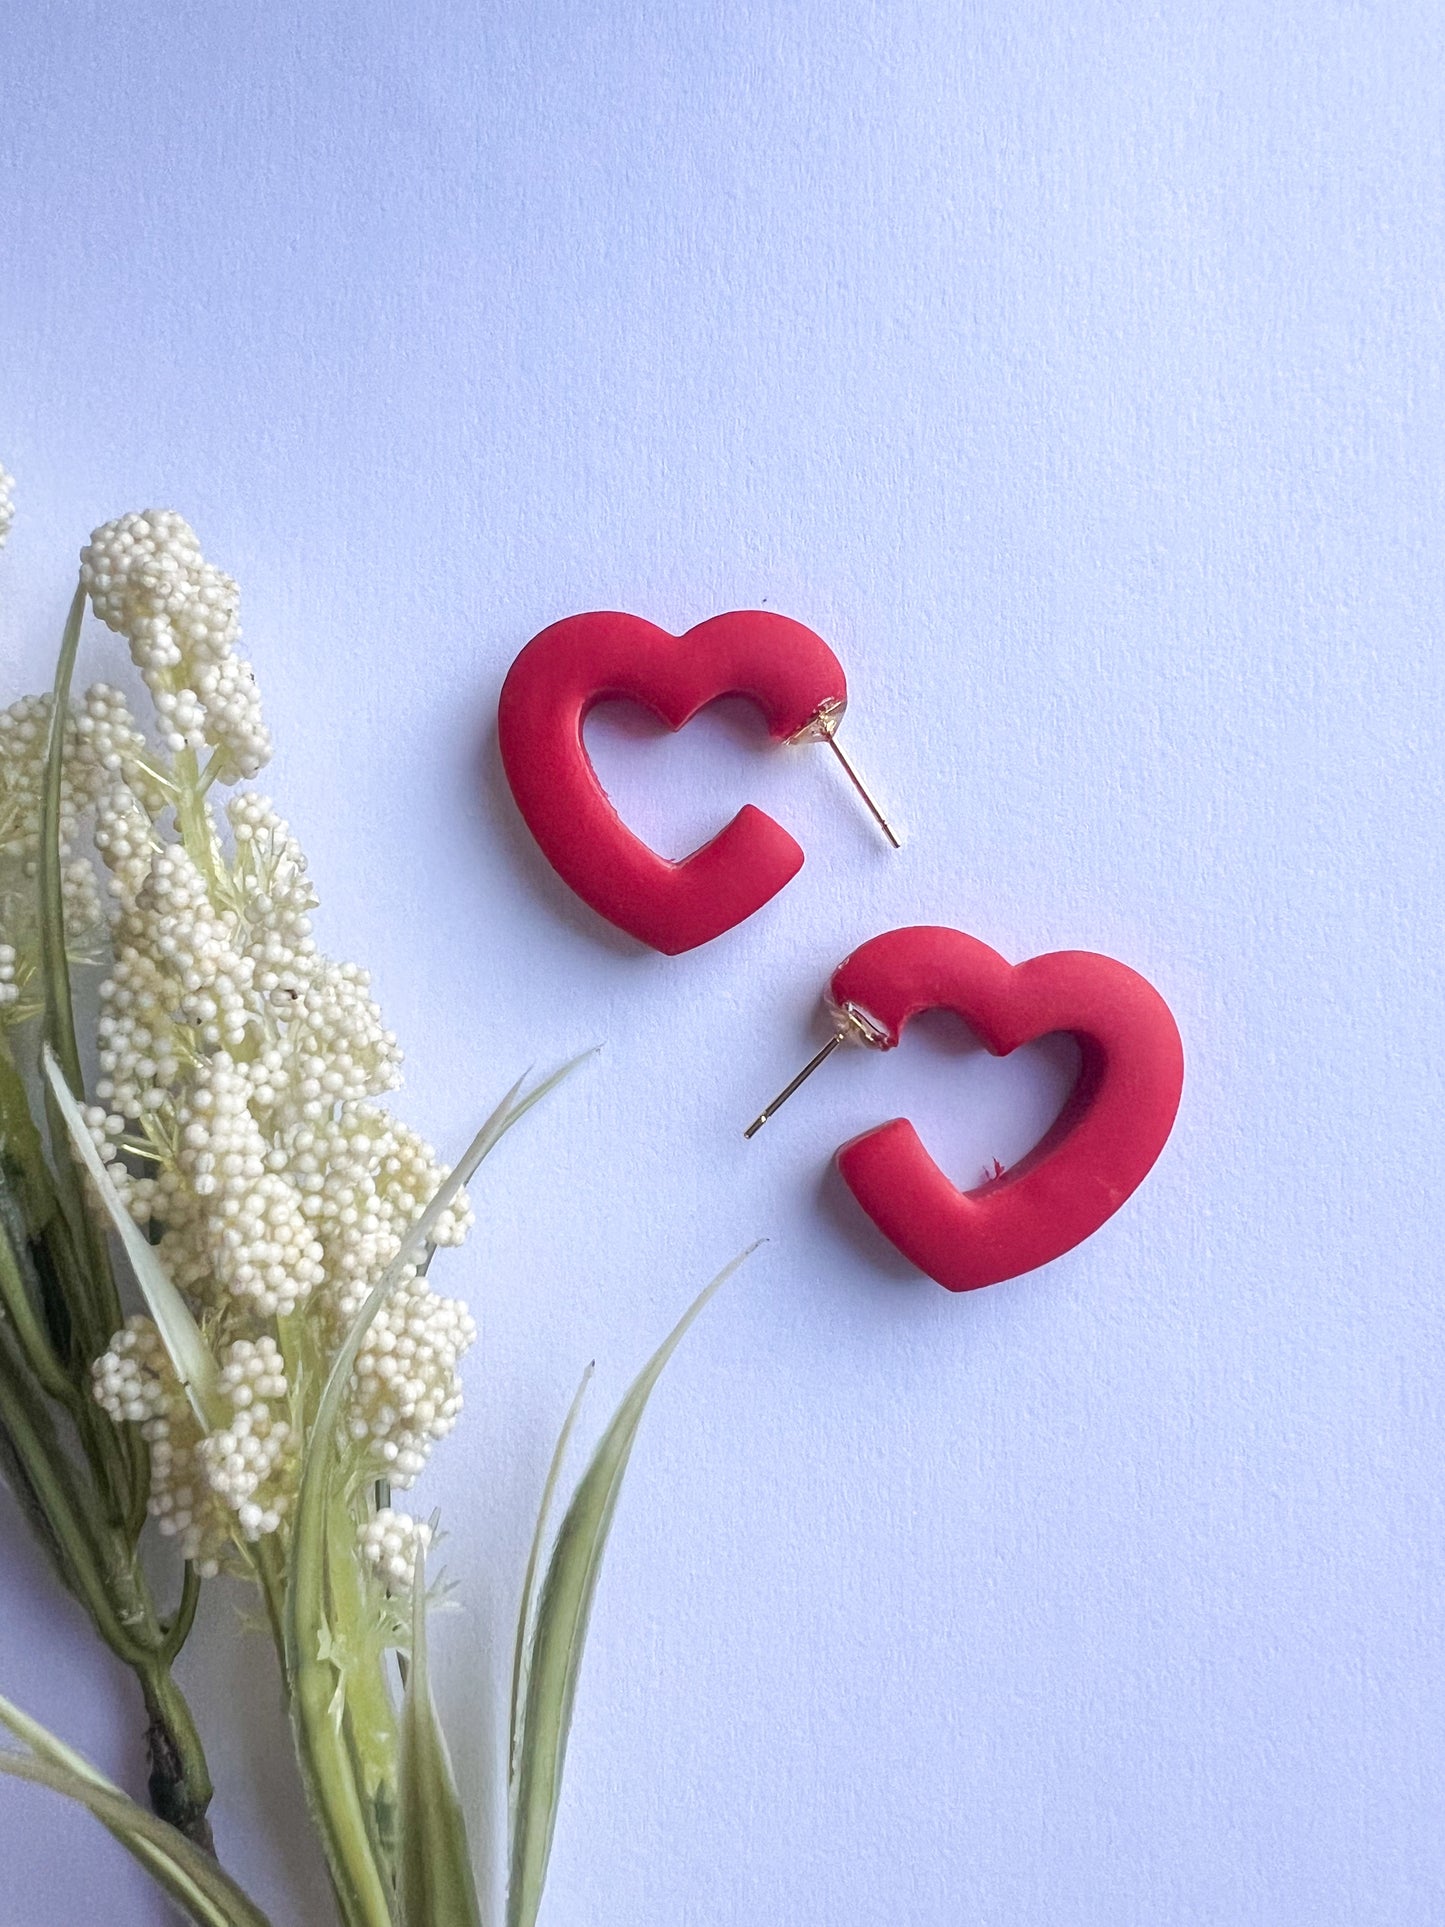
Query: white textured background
{"type": "Point", "coordinates": [1076, 369]}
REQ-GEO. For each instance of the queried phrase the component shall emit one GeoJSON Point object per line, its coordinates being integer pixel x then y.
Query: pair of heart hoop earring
{"type": "Point", "coordinates": [1119, 1114]}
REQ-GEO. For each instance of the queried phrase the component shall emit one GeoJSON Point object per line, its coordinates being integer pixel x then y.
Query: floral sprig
{"type": "Point", "coordinates": [293, 1366]}
{"type": "Point", "coordinates": [239, 1072]}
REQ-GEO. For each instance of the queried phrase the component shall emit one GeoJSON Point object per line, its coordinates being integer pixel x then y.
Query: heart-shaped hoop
{"type": "Point", "coordinates": [788, 671]}
{"type": "Point", "coordinates": [1100, 1147]}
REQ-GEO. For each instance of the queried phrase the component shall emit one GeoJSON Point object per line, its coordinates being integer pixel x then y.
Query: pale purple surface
{"type": "Point", "coordinates": [1076, 369]}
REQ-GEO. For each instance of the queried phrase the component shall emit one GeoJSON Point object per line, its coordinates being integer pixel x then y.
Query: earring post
{"type": "Point", "coordinates": [856, 780]}
{"type": "Point", "coordinates": [806, 1072]}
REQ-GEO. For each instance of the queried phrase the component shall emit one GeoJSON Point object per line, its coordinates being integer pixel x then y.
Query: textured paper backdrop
{"type": "Point", "coordinates": [1076, 370]}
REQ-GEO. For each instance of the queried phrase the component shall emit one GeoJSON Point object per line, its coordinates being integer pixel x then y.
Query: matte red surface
{"type": "Point", "coordinates": [790, 674]}
{"type": "Point", "coordinates": [1099, 1149]}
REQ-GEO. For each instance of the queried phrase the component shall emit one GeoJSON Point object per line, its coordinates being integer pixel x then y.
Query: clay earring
{"type": "Point", "coordinates": [790, 673]}
{"type": "Point", "coordinates": [1100, 1147]}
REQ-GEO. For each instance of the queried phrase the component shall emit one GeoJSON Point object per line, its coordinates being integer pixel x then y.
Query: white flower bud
{"type": "Point", "coordinates": [390, 1543]}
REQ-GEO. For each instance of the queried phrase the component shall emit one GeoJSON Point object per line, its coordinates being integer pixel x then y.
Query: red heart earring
{"type": "Point", "coordinates": [790, 673]}
{"type": "Point", "coordinates": [1099, 1149]}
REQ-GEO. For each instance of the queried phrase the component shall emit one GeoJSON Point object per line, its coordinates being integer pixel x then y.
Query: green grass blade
{"type": "Point", "coordinates": [191, 1878]}
{"type": "Point", "coordinates": [96, 1306]}
{"type": "Point", "coordinates": [188, 1350]}
{"type": "Point", "coordinates": [561, 1629]}
{"type": "Point", "coordinates": [435, 1885]}
{"type": "Point", "coordinates": [325, 1764]}
{"type": "Point", "coordinates": [534, 1558]}
{"type": "Point", "coordinates": [54, 968]}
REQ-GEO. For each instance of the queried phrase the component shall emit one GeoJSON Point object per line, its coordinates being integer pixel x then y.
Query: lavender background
{"type": "Point", "coordinates": [1076, 369]}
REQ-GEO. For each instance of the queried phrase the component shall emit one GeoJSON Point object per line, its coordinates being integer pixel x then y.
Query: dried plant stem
{"type": "Point", "coordinates": [179, 1782]}
{"type": "Point", "coordinates": [100, 1567]}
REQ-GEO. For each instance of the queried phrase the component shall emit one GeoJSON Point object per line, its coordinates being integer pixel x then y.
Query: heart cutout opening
{"type": "Point", "coordinates": [972, 1109]}
{"type": "Point", "coordinates": [676, 788]}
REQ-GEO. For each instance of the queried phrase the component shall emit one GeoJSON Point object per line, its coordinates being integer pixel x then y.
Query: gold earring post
{"type": "Point", "coordinates": [852, 1025]}
{"type": "Point", "coordinates": [857, 781]}
{"type": "Point", "coordinates": [824, 728]}
{"type": "Point", "coordinates": [806, 1072]}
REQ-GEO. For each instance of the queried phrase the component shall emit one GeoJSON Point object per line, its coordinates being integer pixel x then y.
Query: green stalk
{"type": "Point", "coordinates": [31, 1266]}
{"type": "Point", "coordinates": [177, 1629]}
{"type": "Point", "coordinates": [76, 1534]}
{"type": "Point", "coordinates": [19, 1304]}
{"type": "Point", "coordinates": [101, 1570]}
{"type": "Point", "coordinates": [24, 1171]}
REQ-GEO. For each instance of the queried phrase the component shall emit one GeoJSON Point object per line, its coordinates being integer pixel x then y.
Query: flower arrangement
{"type": "Point", "coordinates": [289, 1365]}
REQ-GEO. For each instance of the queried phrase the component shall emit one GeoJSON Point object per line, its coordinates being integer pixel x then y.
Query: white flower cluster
{"type": "Point", "coordinates": [239, 1069]}
{"type": "Point", "coordinates": [407, 1395]}
{"type": "Point", "coordinates": [206, 1488]}
{"type": "Point", "coordinates": [390, 1545]}
{"type": "Point", "coordinates": [7, 504]}
{"type": "Point", "coordinates": [235, 1108]}
{"type": "Point", "coordinates": [249, 1236]}
{"type": "Point", "coordinates": [148, 580]}
{"type": "Point", "coordinates": [364, 1178]}
{"type": "Point", "coordinates": [247, 1461]}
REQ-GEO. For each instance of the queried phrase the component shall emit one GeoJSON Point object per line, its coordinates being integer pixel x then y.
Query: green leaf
{"type": "Point", "coordinates": [435, 1885]}
{"type": "Point", "coordinates": [521, 1653]}
{"type": "Point", "coordinates": [561, 1630]}
{"type": "Point", "coordinates": [191, 1878]}
{"type": "Point", "coordinates": [316, 1683]}
{"type": "Point", "coordinates": [54, 969]}
{"type": "Point", "coordinates": [97, 1304]}
{"type": "Point", "coordinates": [188, 1350]}
{"type": "Point", "coordinates": [319, 1461]}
